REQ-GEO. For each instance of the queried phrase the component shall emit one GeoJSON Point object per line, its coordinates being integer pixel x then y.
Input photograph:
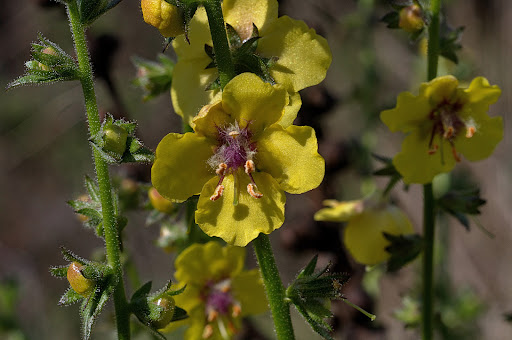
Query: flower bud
{"type": "Point", "coordinates": [160, 203]}
{"type": "Point", "coordinates": [115, 139]}
{"type": "Point", "coordinates": [162, 311]}
{"type": "Point", "coordinates": [411, 19]}
{"type": "Point", "coordinates": [164, 16]}
{"type": "Point", "coordinates": [48, 50]}
{"type": "Point", "coordinates": [78, 282]}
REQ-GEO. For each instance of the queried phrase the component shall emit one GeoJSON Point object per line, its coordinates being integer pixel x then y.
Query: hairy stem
{"type": "Point", "coordinates": [274, 287]}
{"type": "Point", "coordinates": [429, 205]}
{"type": "Point", "coordinates": [102, 173]}
{"type": "Point", "coordinates": [223, 58]}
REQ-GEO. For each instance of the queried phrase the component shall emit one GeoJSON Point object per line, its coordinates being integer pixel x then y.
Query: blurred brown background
{"type": "Point", "coordinates": [44, 157]}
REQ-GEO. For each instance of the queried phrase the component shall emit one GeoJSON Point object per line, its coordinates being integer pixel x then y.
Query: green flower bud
{"type": "Point", "coordinates": [78, 282]}
{"type": "Point", "coordinates": [160, 203]}
{"type": "Point", "coordinates": [162, 311]}
{"type": "Point", "coordinates": [115, 139]}
{"type": "Point", "coordinates": [411, 19]}
{"type": "Point", "coordinates": [48, 50]}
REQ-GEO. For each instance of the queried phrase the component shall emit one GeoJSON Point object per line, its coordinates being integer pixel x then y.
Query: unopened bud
{"type": "Point", "coordinates": [165, 311]}
{"type": "Point", "coordinates": [159, 202]}
{"type": "Point", "coordinates": [164, 16]}
{"type": "Point", "coordinates": [115, 139]}
{"type": "Point", "coordinates": [78, 281]}
{"type": "Point", "coordinates": [411, 19]}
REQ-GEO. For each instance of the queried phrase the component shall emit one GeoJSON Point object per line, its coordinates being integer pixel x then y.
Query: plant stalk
{"type": "Point", "coordinates": [428, 196]}
{"type": "Point", "coordinates": [274, 287]}
{"type": "Point", "coordinates": [102, 173]}
{"type": "Point", "coordinates": [223, 58]}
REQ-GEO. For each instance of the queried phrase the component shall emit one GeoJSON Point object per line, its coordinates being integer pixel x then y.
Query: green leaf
{"type": "Point", "coordinates": [461, 203]}
{"type": "Point", "coordinates": [320, 327]}
{"type": "Point", "coordinates": [92, 307]}
{"type": "Point", "coordinates": [403, 249]}
{"type": "Point", "coordinates": [70, 297]}
{"type": "Point", "coordinates": [90, 10]}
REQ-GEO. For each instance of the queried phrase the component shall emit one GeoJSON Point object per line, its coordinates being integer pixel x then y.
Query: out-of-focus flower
{"type": "Point", "coordinates": [442, 122]}
{"type": "Point", "coordinates": [218, 293]}
{"type": "Point", "coordinates": [411, 18]}
{"type": "Point", "coordinates": [363, 235]}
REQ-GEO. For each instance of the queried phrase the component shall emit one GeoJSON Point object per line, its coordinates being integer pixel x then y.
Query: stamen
{"type": "Point", "coordinates": [234, 134]}
{"type": "Point", "coordinates": [433, 150]}
{"type": "Point", "coordinates": [222, 329]}
{"type": "Point", "coordinates": [221, 169]}
{"type": "Point", "coordinates": [449, 132]}
{"type": "Point", "coordinates": [237, 310]}
{"type": "Point", "coordinates": [207, 332]}
{"type": "Point", "coordinates": [217, 193]}
{"type": "Point", "coordinates": [455, 155]}
{"type": "Point", "coordinates": [232, 327]}
{"type": "Point", "coordinates": [251, 189]}
{"type": "Point", "coordinates": [212, 315]}
{"type": "Point", "coordinates": [249, 166]}
{"type": "Point", "coordinates": [470, 131]}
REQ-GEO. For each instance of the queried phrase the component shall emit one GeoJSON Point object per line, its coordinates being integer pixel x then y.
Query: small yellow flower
{"type": "Point", "coordinates": [240, 159]}
{"type": "Point", "coordinates": [442, 122]}
{"type": "Point", "coordinates": [299, 57]}
{"type": "Point", "coordinates": [363, 235]}
{"type": "Point", "coordinates": [218, 293]}
{"type": "Point", "coordinates": [164, 16]}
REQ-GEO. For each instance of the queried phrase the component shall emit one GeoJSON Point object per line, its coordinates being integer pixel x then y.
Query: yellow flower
{"type": "Point", "coordinates": [287, 52]}
{"type": "Point", "coordinates": [164, 16]}
{"type": "Point", "coordinates": [218, 293]}
{"type": "Point", "coordinates": [441, 122]}
{"type": "Point", "coordinates": [363, 235]}
{"type": "Point", "coordinates": [240, 159]}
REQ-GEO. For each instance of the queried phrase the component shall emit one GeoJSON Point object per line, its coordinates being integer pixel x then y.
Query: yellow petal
{"type": "Point", "coordinates": [180, 169]}
{"type": "Point", "coordinates": [440, 89]}
{"type": "Point", "coordinates": [291, 157]}
{"type": "Point", "coordinates": [488, 134]}
{"type": "Point", "coordinates": [291, 109]}
{"type": "Point", "coordinates": [190, 79]}
{"type": "Point", "coordinates": [415, 163]}
{"type": "Point", "coordinates": [480, 95]}
{"type": "Point", "coordinates": [238, 225]}
{"type": "Point", "coordinates": [241, 14]}
{"type": "Point", "coordinates": [199, 35]}
{"type": "Point", "coordinates": [363, 234]}
{"type": "Point", "coordinates": [410, 112]}
{"type": "Point", "coordinates": [248, 290]}
{"type": "Point", "coordinates": [304, 56]}
{"type": "Point", "coordinates": [339, 211]}
{"type": "Point", "coordinates": [211, 117]}
{"type": "Point", "coordinates": [249, 100]}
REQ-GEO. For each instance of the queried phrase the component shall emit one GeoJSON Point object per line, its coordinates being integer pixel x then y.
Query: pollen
{"type": "Point", "coordinates": [221, 169]}
{"type": "Point", "coordinates": [207, 332]}
{"type": "Point", "coordinates": [249, 166]}
{"type": "Point", "coordinates": [470, 131]}
{"type": "Point", "coordinates": [251, 189]}
{"type": "Point", "coordinates": [217, 193]}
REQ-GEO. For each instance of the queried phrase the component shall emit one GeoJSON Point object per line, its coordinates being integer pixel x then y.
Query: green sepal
{"type": "Point", "coordinates": [459, 204]}
{"type": "Point", "coordinates": [69, 256]}
{"type": "Point", "coordinates": [449, 43]}
{"type": "Point", "coordinates": [47, 67]}
{"type": "Point", "coordinates": [311, 293]}
{"type": "Point", "coordinates": [128, 150]}
{"type": "Point", "coordinates": [90, 10]}
{"type": "Point", "coordinates": [59, 271]}
{"type": "Point", "coordinates": [154, 78]}
{"type": "Point", "coordinates": [403, 249]}
{"type": "Point", "coordinates": [92, 306]}
{"type": "Point", "coordinates": [70, 297]}
{"type": "Point", "coordinates": [391, 19]}
{"type": "Point", "coordinates": [390, 171]}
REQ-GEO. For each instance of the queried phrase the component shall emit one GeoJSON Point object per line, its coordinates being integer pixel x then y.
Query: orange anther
{"type": "Point", "coordinates": [433, 150]}
{"type": "Point", "coordinates": [212, 315]}
{"type": "Point", "coordinates": [237, 310]}
{"type": "Point", "coordinates": [251, 190]}
{"type": "Point", "coordinates": [217, 193]}
{"type": "Point", "coordinates": [249, 166]}
{"type": "Point", "coordinates": [208, 331]}
{"type": "Point", "coordinates": [470, 131]}
{"type": "Point", "coordinates": [221, 169]}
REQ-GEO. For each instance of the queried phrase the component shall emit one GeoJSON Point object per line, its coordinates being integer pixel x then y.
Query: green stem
{"type": "Point", "coordinates": [102, 173]}
{"type": "Point", "coordinates": [221, 49]}
{"type": "Point", "coordinates": [428, 262]}
{"type": "Point", "coordinates": [429, 205]}
{"type": "Point", "coordinates": [274, 287]}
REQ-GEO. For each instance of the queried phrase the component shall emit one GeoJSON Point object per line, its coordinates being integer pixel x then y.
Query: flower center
{"type": "Point", "coordinates": [235, 150]}
{"type": "Point", "coordinates": [220, 309]}
{"type": "Point", "coordinates": [448, 125]}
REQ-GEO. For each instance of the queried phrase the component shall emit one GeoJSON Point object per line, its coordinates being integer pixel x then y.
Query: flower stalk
{"type": "Point", "coordinates": [274, 287]}
{"type": "Point", "coordinates": [223, 58]}
{"type": "Point", "coordinates": [102, 173]}
{"type": "Point", "coordinates": [428, 197]}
